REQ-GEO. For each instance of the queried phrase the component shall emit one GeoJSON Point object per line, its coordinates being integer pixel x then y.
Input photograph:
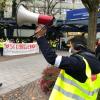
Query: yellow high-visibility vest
{"type": "Point", "coordinates": [67, 88]}
{"type": "Point", "coordinates": [1, 44]}
{"type": "Point", "coordinates": [53, 44]}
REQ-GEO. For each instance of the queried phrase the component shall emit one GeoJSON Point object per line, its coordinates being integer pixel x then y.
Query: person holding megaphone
{"type": "Point", "coordinates": [79, 78]}
{"type": "Point", "coordinates": [80, 73]}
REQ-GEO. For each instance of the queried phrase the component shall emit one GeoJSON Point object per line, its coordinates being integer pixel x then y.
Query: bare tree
{"type": "Point", "coordinates": [2, 7]}
{"type": "Point", "coordinates": [14, 5]}
{"type": "Point", "coordinates": [48, 7]}
{"type": "Point", "coordinates": [92, 7]}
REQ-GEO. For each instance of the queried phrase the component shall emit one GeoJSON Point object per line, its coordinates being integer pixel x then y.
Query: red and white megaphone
{"type": "Point", "coordinates": [27, 17]}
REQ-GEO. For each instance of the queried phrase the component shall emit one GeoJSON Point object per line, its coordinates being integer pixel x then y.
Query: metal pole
{"type": "Point", "coordinates": [34, 5]}
{"type": "Point", "coordinates": [60, 8]}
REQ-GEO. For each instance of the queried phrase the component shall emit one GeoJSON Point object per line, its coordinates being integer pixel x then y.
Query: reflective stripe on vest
{"type": "Point", "coordinates": [58, 88]}
{"type": "Point", "coordinates": [67, 88]}
{"type": "Point", "coordinates": [68, 81]}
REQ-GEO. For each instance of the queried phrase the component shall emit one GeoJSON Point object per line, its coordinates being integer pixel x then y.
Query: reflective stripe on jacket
{"type": "Point", "coordinates": [67, 88]}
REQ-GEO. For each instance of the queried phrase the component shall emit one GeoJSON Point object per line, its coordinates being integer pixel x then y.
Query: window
{"type": "Point", "coordinates": [68, 1]}
{"type": "Point", "coordinates": [60, 0]}
{"type": "Point", "coordinates": [78, 1]}
{"type": "Point", "coordinates": [71, 1]}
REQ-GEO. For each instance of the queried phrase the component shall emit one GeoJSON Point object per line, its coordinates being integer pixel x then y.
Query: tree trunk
{"type": "Point", "coordinates": [92, 29]}
{"type": "Point", "coordinates": [14, 4]}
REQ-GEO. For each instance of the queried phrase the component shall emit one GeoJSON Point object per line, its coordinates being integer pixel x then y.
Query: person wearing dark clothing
{"type": "Point", "coordinates": [1, 47]}
{"type": "Point", "coordinates": [74, 66]}
{"type": "Point", "coordinates": [97, 50]}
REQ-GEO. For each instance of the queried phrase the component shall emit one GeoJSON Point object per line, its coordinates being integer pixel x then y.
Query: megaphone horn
{"type": "Point", "coordinates": [27, 17]}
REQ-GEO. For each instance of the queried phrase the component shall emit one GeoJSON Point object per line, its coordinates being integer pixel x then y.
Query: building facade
{"type": "Point", "coordinates": [37, 5]}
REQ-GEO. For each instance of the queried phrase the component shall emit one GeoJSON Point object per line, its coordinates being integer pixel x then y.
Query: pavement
{"type": "Point", "coordinates": [16, 71]}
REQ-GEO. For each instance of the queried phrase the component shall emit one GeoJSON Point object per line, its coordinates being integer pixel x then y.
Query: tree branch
{"type": "Point", "coordinates": [52, 7]}
{"type": "Point", "coordinates": [51, 1]}
{"type": "Point", "coordinates": [85, 4]}
{"type": "Point", "coordinates": [96, 4]}
{"type": "Point", "coordinates": [88, 4]}
{"type": "Point", "coordinates": [55, 12]}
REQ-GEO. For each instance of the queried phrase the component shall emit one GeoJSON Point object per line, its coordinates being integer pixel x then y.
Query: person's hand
{"type": "Point", "coordinates": [40, 31]}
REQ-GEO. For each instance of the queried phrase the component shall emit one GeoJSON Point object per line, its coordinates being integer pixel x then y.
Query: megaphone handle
{"type": "Point", "coordinates": [44, 27]}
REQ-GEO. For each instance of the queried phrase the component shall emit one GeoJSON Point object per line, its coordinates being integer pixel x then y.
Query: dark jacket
{"type": "Point", "coordinates": [97, 52]}
{"type": "Point", "coordinates": [73, 65]}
